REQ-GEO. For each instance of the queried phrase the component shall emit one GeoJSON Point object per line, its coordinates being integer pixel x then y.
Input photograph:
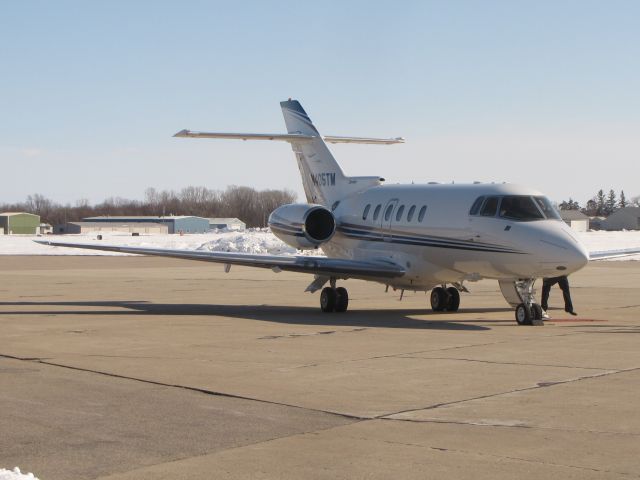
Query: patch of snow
{"type": "Point", "coordinates": [248, 242]}
{"type": "Point", "coordinates": [16, 474]}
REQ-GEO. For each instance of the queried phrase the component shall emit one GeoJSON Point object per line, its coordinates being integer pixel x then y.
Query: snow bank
{"type": "Point", "coordinates": [16, 474]}
{"type": "Point", "coordinates": [251, 241]}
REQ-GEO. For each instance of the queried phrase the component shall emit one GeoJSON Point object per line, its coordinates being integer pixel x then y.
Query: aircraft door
{"type": "Point", "coordinates": [386, 219]}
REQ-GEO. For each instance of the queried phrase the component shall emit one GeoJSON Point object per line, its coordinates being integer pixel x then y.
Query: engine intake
{"type": "Point", "coordinates": [303, 226]}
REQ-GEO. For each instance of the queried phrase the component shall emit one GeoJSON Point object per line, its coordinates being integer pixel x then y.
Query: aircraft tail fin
{"type": "Point", "coordinates": [323, 180]}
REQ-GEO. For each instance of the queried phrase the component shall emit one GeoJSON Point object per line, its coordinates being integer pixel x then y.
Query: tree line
{"type": "Point", "coordinates": [601, 204]}
{"type": "Point", "coordinates": [248, 204]}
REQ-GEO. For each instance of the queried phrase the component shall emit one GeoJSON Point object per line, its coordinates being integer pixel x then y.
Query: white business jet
{"type": "Point", "coordinates": [409, 237]}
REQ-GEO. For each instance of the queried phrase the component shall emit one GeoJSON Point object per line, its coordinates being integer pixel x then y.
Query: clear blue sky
{"type": "Point", "coordinates": [544, 93]}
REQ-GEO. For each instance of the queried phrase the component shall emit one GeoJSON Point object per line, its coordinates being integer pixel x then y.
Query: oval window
{"type": "Point", "coordinates": [387, 213]}
{"type": "Point", "coordinates": [366, 211]}
{"type": "Point", "coordinates": [376, 212]}
{"type": "Point", "coordinates": [412, 210]}
{"type": "Point", "coordinates": [399, 213]}
{"type": "Point", "coordinates": [423, 210]}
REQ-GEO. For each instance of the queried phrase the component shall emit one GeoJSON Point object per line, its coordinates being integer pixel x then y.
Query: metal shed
{"type": "Point", "coordinates": [19, 223]}
{"type": "Point", "coordinates": [175, 224]}
{"type": "Point", "coordinates": [106, 227]}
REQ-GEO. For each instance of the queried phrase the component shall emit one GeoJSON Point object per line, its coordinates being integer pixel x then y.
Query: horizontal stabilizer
{"type": "Point", "coordinates": [287, 137]}
{"type": "Point", "coordinates": [283, 137]}
{"type": "Point", "coordinates": [371, 141]}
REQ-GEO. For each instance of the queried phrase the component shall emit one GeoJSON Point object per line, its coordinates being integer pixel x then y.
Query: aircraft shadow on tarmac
{"type": "Point", "coordinates": [397, 318]}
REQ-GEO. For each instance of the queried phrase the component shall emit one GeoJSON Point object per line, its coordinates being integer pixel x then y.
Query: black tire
{"type": "Point", "coordinates": [328, 299]}
{"type": "Point", "coordinates": [536, 311]}
{"type": "Point", "coordinates": [439, 299]}
{"type": "Point", "coordinates": [454, 299]}
{"type": "Point", "coordinates": [342, 299]}
{"type": "Point", "coordinates": [524, 315]}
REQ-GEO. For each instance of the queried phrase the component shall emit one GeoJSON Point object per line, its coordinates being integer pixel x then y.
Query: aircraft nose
{"type": "Point", "coordinates": [569, 255]}
{"type": "Point", "coordinates": [578, 257]}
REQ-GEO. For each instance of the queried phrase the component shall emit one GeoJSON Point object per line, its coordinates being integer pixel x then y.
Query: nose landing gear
{"type": "Point", "coordinates": [528, 312]}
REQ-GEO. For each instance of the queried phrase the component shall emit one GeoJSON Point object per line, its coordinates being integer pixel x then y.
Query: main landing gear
{"type": "Point", "coordinates": [445, 299]}
{"type": "Point", "coordinates": [334, 299]}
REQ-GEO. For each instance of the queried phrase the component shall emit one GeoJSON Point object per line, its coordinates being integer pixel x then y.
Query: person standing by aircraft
{"type": "Point", "coordinates": [563, 283]}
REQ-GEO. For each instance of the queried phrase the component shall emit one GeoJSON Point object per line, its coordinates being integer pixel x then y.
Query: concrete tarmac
{"type": "Point", "coordinates": [151, 368]}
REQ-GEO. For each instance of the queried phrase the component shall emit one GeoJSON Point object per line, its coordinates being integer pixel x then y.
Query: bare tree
{"type": "Point", "coordinates": [251, 206]}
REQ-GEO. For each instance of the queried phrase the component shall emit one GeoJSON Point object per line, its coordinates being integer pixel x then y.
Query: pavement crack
{"type": "Point", "coordinates": [516, 390]}
{"type": "Point", "coordinates": [493, 362]}
{"type": "Point", "coordinates": [507, 425]}
{"type": "Point", "coordinates": [508, 457]}
{"type": "Point", "coordinates": [183, 387]}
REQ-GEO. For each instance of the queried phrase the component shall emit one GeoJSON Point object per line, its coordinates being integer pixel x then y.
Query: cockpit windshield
{"type": "Point", "coordinates": [547, 208]}
{"type": "Point", "coordinates": [519, 208]}
{"type": "Point", "coordinates": [523, 208]}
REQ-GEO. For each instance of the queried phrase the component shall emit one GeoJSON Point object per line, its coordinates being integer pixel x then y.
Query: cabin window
{"type": "Point", "coordinates": [423, 210]}
{"type": "Point", "coordinates": [412, 210]}
{"type": "Point", "coordinates": [387, 212]}
{"type": "Point", "coordinates": [366, 211]}
{"type": "Point", "coordinates": [476, 206]}
{"type": "Point", "coordinates": [519, 208]}
{"type": "Point", "coordinates": [399, 213]}
{"type": "Point", "coordinates": [490, 207]}
{"type": "Point", "coordinates": [376, 212]}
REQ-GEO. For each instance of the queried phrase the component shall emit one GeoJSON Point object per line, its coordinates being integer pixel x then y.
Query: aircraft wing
{"type": "Point", "coordinates": [298, 263]}
{"type": "Point", "coordinates": [607, 254]}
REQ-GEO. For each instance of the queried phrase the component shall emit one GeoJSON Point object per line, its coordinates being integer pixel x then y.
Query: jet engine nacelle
{"type": "Point", "coordinates": [302, 225]}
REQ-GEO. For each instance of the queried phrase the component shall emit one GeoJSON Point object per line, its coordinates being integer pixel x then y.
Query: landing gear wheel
{"type": "Point", "coordinates": [524, 315]}
{"type": "Point", "coordinates": [536, 311]}
{"type": "Point", "coordinates": [328, 299]}
{"type": "Point", "coordinates": [342, 299]}
{"type": "Point", "coordinates": [439, 299]}
{"type": "Point", "coordinates": [454, 299]}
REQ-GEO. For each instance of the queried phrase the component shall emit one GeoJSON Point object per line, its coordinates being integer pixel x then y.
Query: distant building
{"type": "Point", "coordinates": [627, 218]}
{"type": "Point", "coordinates": [575, 219]}
{"type": "Point", "coordinates": [106, 227]}
{"type": "Point", "coordinates": [178, 224]}
{"type": "Point", "coordinates": [19, 223]}
{"type": "Point", "coordinates": [234, 224]}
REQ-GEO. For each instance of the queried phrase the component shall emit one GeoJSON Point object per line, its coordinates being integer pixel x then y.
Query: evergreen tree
{"type": "Point", "coordinates": [569, 205]}
{"type": "Point", "coordinates": [623, 201]}
{"type": "Point", "coordinates": [600, 203]}
{"type": "Point", "coordinates": [611, 203]}
{"type": "Point", "coordinates": [591, 210]}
